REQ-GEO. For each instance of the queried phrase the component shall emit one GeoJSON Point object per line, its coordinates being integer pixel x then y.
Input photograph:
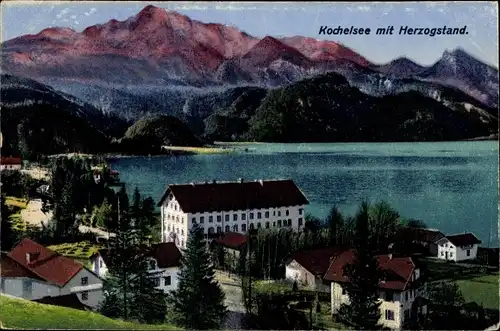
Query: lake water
{"type": "Point", "coordinates": [452, 186]}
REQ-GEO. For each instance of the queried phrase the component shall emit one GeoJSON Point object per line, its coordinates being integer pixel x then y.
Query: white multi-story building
{"type": "Point", "coordinates": [402, 291]}
{"type": "Point", "coordinates": [221, 207]}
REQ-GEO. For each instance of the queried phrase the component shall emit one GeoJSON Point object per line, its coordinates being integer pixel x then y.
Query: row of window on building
{"type": "Point", "coordinates": [235, 227]}
{"type": "Point", "coordinates": [235, 218]}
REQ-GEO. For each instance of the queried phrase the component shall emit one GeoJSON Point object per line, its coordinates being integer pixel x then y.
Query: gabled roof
{"type": "Point", "coordinates": [68, 300]}
{"type": "Point", "coordinates": [317, 261]}
{"type": "Point", "coordinates": [167, 255]}
{"type": "Point", "coordinates": [226, 196]}
{"type": "Point", "coordinates": [103, 253]}
{"type": "Point", "coordinates": [397, 270]}
{"type": "Point", "coordinates": [418, 234]}
{"type": "Point", "coordinates": [10, 268]}
{"type": "Point", "coordinates": [10, 160]}
{"type": "Point", "coordinates": [231, 240]}
{"type": "Point", "coordinates": [45, 263]}
{"type": "Point", "coordinates": [464, 239]}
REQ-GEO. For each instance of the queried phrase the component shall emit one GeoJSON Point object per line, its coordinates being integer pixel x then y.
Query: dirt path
{"type": "Point", "coordinates": [33, 214]}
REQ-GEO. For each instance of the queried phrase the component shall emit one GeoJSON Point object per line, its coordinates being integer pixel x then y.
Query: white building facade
{"type": "Point", "coordinates": [230, 207]}
{"type": "Point", "coordinates": [163, 265]}
{"type": "Point", "coordinates": [21, 281]}
{"type": "Point", "coordinates": [10, 163]}
{"type": "Point", "coordinates": [461, 247]}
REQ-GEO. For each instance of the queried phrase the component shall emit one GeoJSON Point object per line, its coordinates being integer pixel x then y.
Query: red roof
{"type": "Point", "coordinates": [226, 196]}
{"type": "Point", "coordinates": [10, 268]}
{"type": "Point", "coordinates": [45, 263]}
{"type": "Point", "coordinates": [10, 160]}
{"type": "Point", "coordinates": [166, 255]}
{"type": "Point", "coordinates": [397, 270]}
{"type": "Point", "coordinates": [464, 239]}
{"type": "Point", "coordinates": [317, 261]}
{"type": "Point", "coordinates": [232, 240]}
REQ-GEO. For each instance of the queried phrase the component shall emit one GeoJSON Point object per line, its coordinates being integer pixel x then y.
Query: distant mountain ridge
{"type": "Point", "coordinates": [162, 47]}
{"type": "Point", "coordinates": [225, 85]}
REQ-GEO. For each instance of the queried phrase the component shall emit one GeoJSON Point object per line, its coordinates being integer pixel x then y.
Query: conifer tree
{"type": "Point", "coordinates": [150, 303]}
{"type": "Point", "coordinates": [130, 291]}
{"type": "Point", "coordinates": [8, 236]}
{"type": "Point", "coordinates": [198, 302]}
{"type": "Point", "coordinates": [363, 275]}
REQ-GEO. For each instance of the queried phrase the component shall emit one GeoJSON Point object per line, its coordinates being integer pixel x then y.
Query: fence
{"type": "Point", "coordinates": [309, 295]}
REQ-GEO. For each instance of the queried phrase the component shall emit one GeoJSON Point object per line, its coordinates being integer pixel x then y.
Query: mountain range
{"type": "Point", "coordinates": [162, 62]}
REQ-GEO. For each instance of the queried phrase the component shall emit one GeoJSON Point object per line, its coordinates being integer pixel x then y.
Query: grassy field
{"type": "Point", "coordinates": [16, 202]}
{"type": "Point", "coordinates": [264, 286]}
{"type": "Point", "coordinates": [24, 314]}
{"type": "Point", "coordinates": [82, 250]}
{"type": "Point", "coordinates": [483, 290]}
{"type": "Point", "coordinates": [16, 205]}
{"type": "Point", "coordinates": [198, 150]}
{"type": "Point", "coordinates": [441, 270]}
{"type": "Point", "coordinates": [323, 319]}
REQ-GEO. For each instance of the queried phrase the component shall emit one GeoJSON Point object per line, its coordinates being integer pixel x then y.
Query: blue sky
{"type": "Point", "coordinates": [289, 19]}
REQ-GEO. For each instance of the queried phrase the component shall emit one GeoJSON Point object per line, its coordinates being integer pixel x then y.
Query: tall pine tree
{"type": "Point", "coordinates": [198, 302]}
{"type": "Point", "coordinates": [8, 236]}
{"type": "Point", "coordinates": [364, 276]}
{"type": "Point", "coordinates": [130, 292]}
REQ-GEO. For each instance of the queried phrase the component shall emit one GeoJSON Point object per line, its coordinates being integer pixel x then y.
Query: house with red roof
{"type": "Point", "coordinates": [308, 267]}
{"type": "Point", "coordinates": [426, 238]}
{"type": "Point", "coordinates": [458, 247]}
{"type": "Point", "coordinates": [164, 260]}
{"type": "Point", "coordinates": [32, 271]}
{"type": "Point", "coordinates": [10, 163]}
{"type": "Point", "coordinates": [221, 207]}
{"type": "Point", "coordinates": [232, 244]}
{"type": "Point", "coordinates": [402, 288]}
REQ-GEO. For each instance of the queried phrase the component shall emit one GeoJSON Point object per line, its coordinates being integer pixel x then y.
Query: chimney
{"type": "Point", "coordinates": [214, 181]}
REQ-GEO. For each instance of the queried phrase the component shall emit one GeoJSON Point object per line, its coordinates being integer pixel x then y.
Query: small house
{"type": "Point", "coordinates": [232, 244]}
{"type": "Point", "coordinates": [10, 163]}
{"type": "Point", "coordinates": [32, 271]}
{"type": "Point", "coordinates": [308, 267]}
{"type": "Point", "coordinates": [458, 247]}
{"type": "Point", "coordinates": [163, 264]}
{"type": "Point", "coordinates": [402, 289]}
{"type": "Point", "coordinates": [423, 238]}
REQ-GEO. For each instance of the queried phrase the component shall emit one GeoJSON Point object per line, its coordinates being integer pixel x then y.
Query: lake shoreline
{"type": "Point", "coordinates": [444, 184]}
